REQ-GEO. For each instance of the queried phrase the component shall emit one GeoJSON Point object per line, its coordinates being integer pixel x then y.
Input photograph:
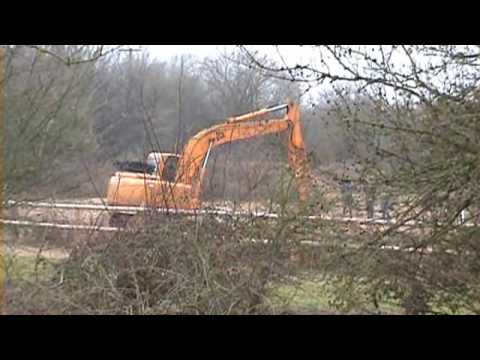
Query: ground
{"type": "Point", "coordinates": [29, 247]}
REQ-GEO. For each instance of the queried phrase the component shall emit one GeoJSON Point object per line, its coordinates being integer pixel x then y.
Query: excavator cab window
{"type": "Point", "coordinates": [168, 168]}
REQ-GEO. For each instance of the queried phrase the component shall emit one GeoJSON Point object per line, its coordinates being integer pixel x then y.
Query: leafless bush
{"type": "Point", "coordinates": [175, 266]}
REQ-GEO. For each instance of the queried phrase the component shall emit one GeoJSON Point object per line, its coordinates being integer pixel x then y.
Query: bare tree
{"type": "Point", "coordinates": [46, 118]}
{"type": "Point", "coordinates": [417, 142]}
{"type": "Point", "coordinates": [75, 55]}
{"type": "Point", "coordinates": [233, 87]}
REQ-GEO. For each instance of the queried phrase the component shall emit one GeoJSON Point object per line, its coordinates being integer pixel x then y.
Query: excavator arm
{"type": "Point", "coordinates": [240, 128]}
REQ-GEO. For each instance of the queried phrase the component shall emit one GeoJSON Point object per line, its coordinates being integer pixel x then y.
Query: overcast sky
{"type": "Point", "coordinates": [289, 55]}
{"type": "Point", "coordinates": [283, 54]}
{"type": "Point", "coordinates": [167, 51]}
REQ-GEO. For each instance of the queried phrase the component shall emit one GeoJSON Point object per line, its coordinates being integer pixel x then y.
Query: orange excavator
{"type": "Point", "coordinates": [175, 181]}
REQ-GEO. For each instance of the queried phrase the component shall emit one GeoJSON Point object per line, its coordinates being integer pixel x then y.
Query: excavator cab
{"type": "Point", "coordinates": [164, 164]}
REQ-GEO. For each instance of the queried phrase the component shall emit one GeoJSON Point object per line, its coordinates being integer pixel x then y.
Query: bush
{"type": "Point", "coordinates": [178, 266]}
